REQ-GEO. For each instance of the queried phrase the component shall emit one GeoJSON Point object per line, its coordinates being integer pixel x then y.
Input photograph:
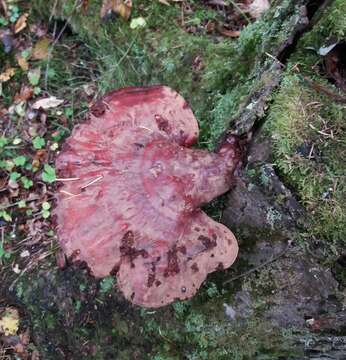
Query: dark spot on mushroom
{"type": "Point", "coordinates": [98, 109]}
{"type": "Point", "coordinates": [115, 270]}
{"type": "Point", "coordinates": [151, 276]}
{"type": "Point", "coordinates": [183, 289]}
{"type": "Point", "coordinates": [207, 242]}
{"type": "Point", "coordinates": [138, 146]}
{"type": "Point", "coordinates": [182, 249]}
{"type": "Point", "coordinates": [127, 240]}
{"type": "Point", "coordinates": [194, 267]}
{"type": "Point", "coordinates": [132, 295]}
{"type": "Point", "coordinates": [197, 229]}
{"type": "Point", "coordinates": [214, 236]}
{"type": "Point", "coordinates": [172, 263]}
{"type": "Point", "coordinates": [74, 256]}
{"type": "Point", "coordinates": [212, 255]}
{"type": "Point", "coordinates": [151, 279]}
{"type": "Point", "coordinates": [158, 283]}
{"type": "Point", "coordinates": [127, 249]}
{"type": "Point", "coordinates": [163, 124]}
{"type": "Point", "coordinates": [220, 266]}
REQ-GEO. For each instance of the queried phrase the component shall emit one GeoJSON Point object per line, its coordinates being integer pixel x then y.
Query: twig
{"type": "Point", "coordinates": [324, 90]}
{"type": "Point", "coordinates": [2, 241]}
{"type": "Point", "coordinates": [67, 179]}
{"type": "Point", "coordinates": [4, 6]}
{"type": "Point", "coordinates": [92, 182]}
{"type": "Point", "coordinates": [276, 59]}
{"type": "Point", "coordinates": [241, 12]}
{"type": "Point", "coordinates": [271, 260]}
{"type": "Point", "coordinates": [16, 203]}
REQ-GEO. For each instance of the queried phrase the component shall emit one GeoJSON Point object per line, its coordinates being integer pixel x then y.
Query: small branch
{"type": "Point", "coordinates": [271, 260]}
{"type": "Point", "coordinates": [324, 90]}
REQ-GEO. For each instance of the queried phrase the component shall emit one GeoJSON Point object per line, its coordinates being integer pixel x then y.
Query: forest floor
{"type": "Point", "coordinates": [277, 79]}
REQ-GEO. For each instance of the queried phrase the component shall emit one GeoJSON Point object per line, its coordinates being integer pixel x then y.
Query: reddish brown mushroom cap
{"type": "Point", "coordinates": [130, 202]}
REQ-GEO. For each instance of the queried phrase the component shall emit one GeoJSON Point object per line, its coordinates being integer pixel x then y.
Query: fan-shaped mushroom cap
{"type": "Point", "coordinates": [131, 206]}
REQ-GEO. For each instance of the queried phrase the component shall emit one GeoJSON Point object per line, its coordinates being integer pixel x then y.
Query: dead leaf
{"type": "Point", "coordinates": [22, 63]}
{"type": "Point", "coordinates": [21, 23]}
{"type": "Point", "coordinates": [26, 93]}
{"type": "Point", "coordinates": [120, 7]}
{"type": "Point", "coordinates": [47, 103]}
{"type": "Point", "coordinates": [85, 5]}
{"type": "Point", "coordinates": [229, 33]}
{"type": "Point", "coordinates": [164, 2]}
{"type": "Point", "coordinates": [217, 2]}
{"type": "Point", "coordinates": [7, 74]}
{"type": "Point", "coordinates": [9, 321]}
{"type": "Point", "coordinates": [41, 49]}
{"type": "Point", "coordinates": [258, 7]}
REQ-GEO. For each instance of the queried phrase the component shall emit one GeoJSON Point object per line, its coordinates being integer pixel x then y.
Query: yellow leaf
{"type": "Point", "coordinates": [164, 2]}
{"type": "Point", "coordinates": [41, 49]}
{"type": "Point", "coordinates": [7, 74]}
{"type": "Point", "coordinates": [21, 23]}
{"type": "Point", "coordinates": [9, 321]}
{"type": "Point", "coordinates": [22, 63]}
{"type": "Point", "coordinates": [121, 7]}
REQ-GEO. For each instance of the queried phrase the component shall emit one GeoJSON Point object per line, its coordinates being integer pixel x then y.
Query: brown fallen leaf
{"type": "Point", "coordinates": [164, 2]}
{"type": "Point", "coordinates": [41, 49]}
{"type": "Point", "coordinates": [26, 93]}
{"type": "Point", "coordinates": [21, 23]}
{"type": "Point", "coordinates": [22, 63]}
{"type": "Point", "coordinates": [85, 5]}
{"type": "Point", "coordinates": [120, 7]}
{"type": "Point", "coordinates": [47, 103]}
{"type": "Point", "coordinates": [7, 74]}
{"type": "Point", "coordinates": [229, 33]}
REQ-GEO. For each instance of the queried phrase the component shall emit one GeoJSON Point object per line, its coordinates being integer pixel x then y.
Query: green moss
{"type": "Point", "coordinates": [214, 74]}
{"type": "Point", "coordinates": [310, 160]}
{"type": "Point", "coordinates": [205, 333]}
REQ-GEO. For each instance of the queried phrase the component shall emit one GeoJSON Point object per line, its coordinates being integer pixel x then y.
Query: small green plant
{"type": "Point", "coordinates": [3, 253]}
{"type": "Point", "coordinates": [34, 76]}
{"type": "Point", "coordinates": [48, 174]}
{"type": "Point", "coordinates": [46, 210]}
{"type": "Point", "coordinates": [5, 215]}
{"type": "Point", "coordinates": [38, 142]}
{"type": "Point", "coordinates": [19, 160]}
{"type": "Point", "coordinates": [106, 284]}
{"type": "Point", "coordinates": [27, 183]}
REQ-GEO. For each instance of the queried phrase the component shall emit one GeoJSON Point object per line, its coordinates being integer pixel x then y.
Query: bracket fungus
{"type": "Point", "coordinates": [130, 199]}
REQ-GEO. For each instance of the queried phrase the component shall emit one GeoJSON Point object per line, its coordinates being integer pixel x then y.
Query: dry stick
{"type": "Point", "coordinates": [323, 89]}
{"type": "Point", "coordinates": [4, 6]}
{"type": "Point", "coordinates": [2, 241]}
{"type": "Point", "coordinates": [271, 260]}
